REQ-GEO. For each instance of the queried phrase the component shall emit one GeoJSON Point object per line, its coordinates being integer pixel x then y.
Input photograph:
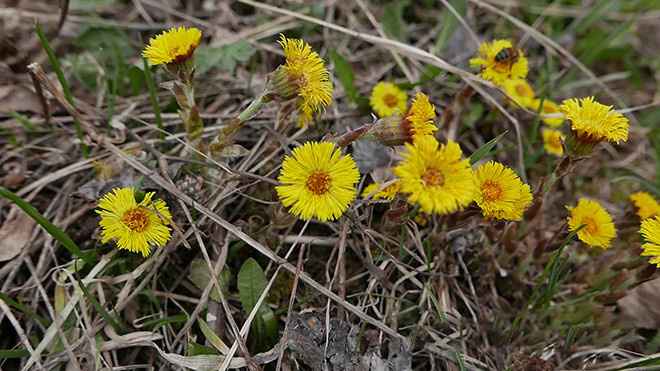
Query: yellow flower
{"type": "Point", "coordinates": [378, 193]}
{"type": "Point", "coordinates": [174, 46]}
{"type": "Point", "coordinates": [134, 225]}
{"type": "Point", "coordinates": [317, 181]}
{"type": "Point", "coordinates": [651, 231]}
{"type": "Point", "coordinates": [552, 142]}
{"type": "Point", "coordinates": [302, 75]}
{"type": "Point", "coordinates": [435, 178]}
{"type": "Point", "coordinates": [500, 193]}
{"type": "Point", "coordinates": [591, 123]}
{"type": "Point", "coordinates": [549, 107]}
{"type": "Point", "coordinates": [305, 115]}
{"type": "Point", "coordinates": [645, 205]}
{"type": "Point", "coordinates": [500, 61]}
{"type": "Point", "coordinates": [397, 130]}
{"type": "Point", "coordinates": [386, 98]}
{"type": "Point", "coordinates": [521, 91]}
{"type": "Point", "coordinates": [599, 229]}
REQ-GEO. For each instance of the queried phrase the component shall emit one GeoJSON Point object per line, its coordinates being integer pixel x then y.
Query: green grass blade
{"type": "Point", "coordinates": [485, 149]}
{"type": "Point", "coordinates": [11, 138]}
{"type": "Point", "coordinates": [99, 308]}
{"type": "Point", "coordinates": [13, 353]}
{"type": "Point", "coordinates": [551, 265]}
{"type": "Point", "coordinates": [57, 233]}
{"type": "Point", "coordinates": [23, 309]}
{"type": "Point", "coordinates": [65, 85]}
{"type": "Point", "coordinates": [27, 124]}
{"type": "Point", "coordinates": [436, 304]}
{"type": "Point", "coordinates": [459, 359]}
{"type": "Point", "coordinates": [154, 100]}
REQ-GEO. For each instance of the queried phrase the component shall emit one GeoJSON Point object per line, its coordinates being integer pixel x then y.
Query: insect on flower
{"type": "Point", "coordinates": [509, 55]}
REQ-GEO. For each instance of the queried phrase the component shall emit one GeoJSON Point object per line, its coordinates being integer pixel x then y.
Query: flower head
{"type": "Point", "coordinates": [174, 46]}
{"type": "Point", "coordinates": [378, 192]}
{"type": "Point", "coordinates": [598, 227]}
{"type": "Point", "coordinates": [521, 91]}
{"type": "Point", "coordinates": [302, 75]}
{"type": "Point", "coordinates": [500, 193]}
{"type": "Point", "coordinates": [651, 231]}
{"type": "Point", "coordinates": [591, 123]}
{"type": "Point", "coordinates": [549, 107]}
{"type": "Point", "coordinates": [387, 98]}
{"type": "Point", "coordinates": [645, 205]}
{"type": "Point", "coordinates": [317, 181]}
{"type": "Point", "coordinates": [397, 130]}
{"type": "Point", "coordinates": [134, 225]}
{"type": "Point", "coordinates": [552, 142]}
{"type": "Point", "coordinates": [435, 178]}
{"type": "Point", "coordinates": [500, 61]}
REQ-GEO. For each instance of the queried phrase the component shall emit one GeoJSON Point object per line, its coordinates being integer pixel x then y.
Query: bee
{"type": "Point", "coordinates": [509, 55]}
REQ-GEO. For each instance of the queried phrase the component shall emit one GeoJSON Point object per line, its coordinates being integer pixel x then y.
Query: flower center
{"type": "Point", "coordinates": [318, 182]}
{"type": "Point", "coordinates": [591, 225]}
{"type": "Point", "coordinates": [491, 191]}
{"type": "Point", "coordinates": [391, 100]}
{"type": "Point", "coordinates": [520, 89]}
{"type": "Point", "coordinates": [432, 178]}
{"type": "Point", "coordinates": [136, 219]}
{"type": "Point", "coordinates": [554, 142]}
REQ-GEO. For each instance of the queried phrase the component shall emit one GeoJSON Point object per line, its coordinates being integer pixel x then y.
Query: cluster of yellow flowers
{"type": "Point", "coordinates": [317, 181]}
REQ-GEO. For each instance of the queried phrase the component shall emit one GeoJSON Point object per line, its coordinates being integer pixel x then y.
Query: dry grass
{"type": "Point", "coordinates": [373, 289]}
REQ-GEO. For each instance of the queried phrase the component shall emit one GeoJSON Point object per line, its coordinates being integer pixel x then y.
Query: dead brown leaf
{"type": "Point", "coordinates": [14, 234]}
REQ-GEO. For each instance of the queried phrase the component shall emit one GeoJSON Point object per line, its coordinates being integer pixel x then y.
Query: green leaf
{"type": "Point", "coordinates": [200, 275]}
{"type": "Point", "coordinates": [195, 349]}
{"type": "Point", "coordinates": [212, 337]}
{"type": "Point", "coordinates": [346, 75]}
{"type": "Point", "coordinates": [251, 284]}
{"type": "Point", "coordinates": [485, 149]}
{"type": "Point", "coordinates": [57, 233]}
{"type": "Point", "coordinates": [393, 19]}
{"type": "Point", "coordinates": [224, 57]}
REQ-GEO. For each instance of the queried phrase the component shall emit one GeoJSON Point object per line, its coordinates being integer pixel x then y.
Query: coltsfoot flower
{"type": "Point", "coordinates": [552, 142]}
{"type": "Point", "coordinates": [135, 225]}
{"type": "Point", "coordinates": [397, 130]}
{"type": "Point", "coordinates": [387, 98]}
{"type": "Point", "coordinates": [591, 123]}
{"type": "Point", "coordinates": [500, 192]}
{"type": "Point", "coordinates": [645, 205]}
{"type": "Point", "coordinates": [549, 107]}
{"type": "Point", "coordinates": [435, 177]}
{"type": "Point", "coordinates": [521, 91]}
{"type": "Point", "coordinates": [650, 229]}
{"type": "Point", "coordinates": [386, 193]}
{"type": "Point", "coordinates": [500, 61]}
{"type": "Point", "coordinates": [302, 75]}
{"type": "Point", "coordinates": [317, 181]}
{"type": "Point", "coordinates": [175, 46]}
{"type": "Point", "coordinates": [598, 227]}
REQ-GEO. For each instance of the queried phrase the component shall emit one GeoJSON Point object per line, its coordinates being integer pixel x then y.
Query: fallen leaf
{"type": "Point", "coordinates": [14, 234]}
